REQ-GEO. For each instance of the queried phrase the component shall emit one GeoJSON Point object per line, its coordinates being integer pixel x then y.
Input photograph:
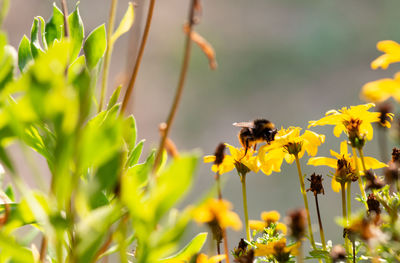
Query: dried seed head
{"type": "Point", "coordinates": [384, 109]}
{"type": "Point", "coordinates": [392, 172]}
{"type": "Point", "coordinates": [373, 204]}
{"type": "Point", "coordinates": [297, 223]}
{"type": "Point", "coordinates": [219, 154]}
{"type": "Point", "coordinates": [247, 257]}
{"type": "Point", "coordinates": [396, 155]}
{"type": "Point", "coordinates": [240, 250]}
{"type": "Point", "coordinates": [316, 184]}
{"type": "Point", "coordinates": [338, 254]}
{"type": "Point", "coordinates": [373, 182]}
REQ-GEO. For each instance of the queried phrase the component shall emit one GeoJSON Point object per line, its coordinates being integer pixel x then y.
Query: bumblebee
{"type": "Point", "coordinates": [259, 130]}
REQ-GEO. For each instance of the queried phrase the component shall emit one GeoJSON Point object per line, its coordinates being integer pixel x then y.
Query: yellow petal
{"type": "Point", "coordinates": [392, 50]}
{"type": "Point", "coordinates": [317, 161]}
{"type": "Point", "coordinates": [209, 159]}
{"type": "Point", "coordinates": [372, 163]}
{"type": "Point", "coordinates": [344, 150]}
{"type": "Point", "coordinates": [271, 216]}
{"type": "Point", "coordinates": [216, 259]}
{"type": "Point", "coordinates": [336, 186]}
{"type": "Point", "coordinates": [281, 227]}
{"type": "Point", "coordinates": [257, 225]}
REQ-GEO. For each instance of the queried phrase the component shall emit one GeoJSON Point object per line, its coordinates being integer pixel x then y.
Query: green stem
{"type": "Point", "coordinates": [349, 198]}
{"type": "Point", "coordinates": [344, 211]}
{"type": "Point", "coordinates": [303, 192]}
{"type": "Point", "coordinates": [107, 58]}
{"type": "Point", "coordinates": [360, 184]}
{"type": "Point", "coordinates": [139, 57]}
{"type": "Point", "coordinates": [246, 213]}
{"type": "Point", "coordinates": [179, 90]}
{"type": "Point", "coordinates": [362, 160]}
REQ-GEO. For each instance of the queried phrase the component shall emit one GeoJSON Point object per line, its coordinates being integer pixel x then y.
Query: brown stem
{"type": "Point", "coordinates": [43, 248]}
{"type": "Point", "coordinates": [225, 245]}
{"type": "Point", "coordinates": [103, 248]}
{"type": "Point", "coordinates": [178, 94]}
{"type": "Point", "coordinates": [382, 135]}
{"type": "Point", "coordinates": [321, 229]}
{"type": "Point", "coordinates": [65, 12]}
{"type": "Point", "coordinates": [139, 58]}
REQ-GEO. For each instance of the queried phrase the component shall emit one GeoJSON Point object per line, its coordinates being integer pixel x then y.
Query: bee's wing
{"type": "Point", "coordinates": [244, 124]}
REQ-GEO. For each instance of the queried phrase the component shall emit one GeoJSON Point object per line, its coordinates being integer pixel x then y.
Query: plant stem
{"type": "Point", "coordinates": [225, 245]}
{"type": "Point", "coordinates": [300, 255]}
{"type": "Point", "coordinates": [179, 90]}
{"type": "Point", "coordinates": [107, 58]}
{"type": "Point", "coordinates": [245, 211]}
{"type": "Point", "coordinates": [218, 186]}
{"type": "Point", "coordinates": [303, 192]}
{"type": "Point", "coordinates": [65, 12]}
{"type": "Point", "coordinates": [360, 184]}
{"type": "Point", "coordinates": [349, 198]}
{"type": "Point", "coordinates": [362, 160]}
{"type": "Point", "coordinates": [321, 229]}
{"type": "Point", "coordinates": [344, 211]}
{"type": "Point", "coordinates": [139, 57]}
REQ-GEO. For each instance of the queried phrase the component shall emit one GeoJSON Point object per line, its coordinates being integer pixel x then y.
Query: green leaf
{"type": "Point", "coordinates": [35, 44]}
{"type": "Point", "coordinates": [77, 32]}
{"type": "Point", "coordinates": [134, 155]}
{"type": "Point", "coordinates": [7, 57]}
{"type": "Point", "coordinates": [24, 53]}
{"type": "Point", "coordinates": [192, 248]}
{"type": "Point", "coordinates": [4, 5]}
{"type": "Point", "coordinates": [43, 31]}
{"type": "Point", "coordinates": [10, 193]}
{"type": "Point", "coordinates": [125, 24]}
{"type": "Point", "coordinates": [95, 46]}
{"type": "Point", "coordinates": [54, 27]}
{"type": "Point", "coordinates": [172, 183]}
{"type": "Point", "coordinates": [130, 132]}
{"type": "Point", "coordinates": [114, 97]}
{"type": "Point", "coordinates": [6, 160]}
{"type": "Point", "coordinates": [18, 253]}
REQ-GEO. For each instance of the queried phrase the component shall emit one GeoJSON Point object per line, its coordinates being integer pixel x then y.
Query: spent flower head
{"type": "Point", "coordinates": [238, 158]}
{"type": "Point", "coordinates": [287, 145]}
{"type": "Point", "coordinates": [355, 122]}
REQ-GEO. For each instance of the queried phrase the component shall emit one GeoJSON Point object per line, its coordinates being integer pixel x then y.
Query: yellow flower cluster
{"type": "Point", "coordinates": [268, 218]}
{"type": "Point", "coordinates": [288, 143]}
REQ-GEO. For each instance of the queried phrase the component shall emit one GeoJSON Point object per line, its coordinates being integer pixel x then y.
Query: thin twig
{"type": "Point", "coordinates": [65, 12]}
{"type": "Point", "coordinates": [139, 58]}
{"type": "Point", "coordinates": [107, 58]}
{"type": "Point", "coordinates": [178, 94]}
{"type": "Point", "coordinates": [321, 229]}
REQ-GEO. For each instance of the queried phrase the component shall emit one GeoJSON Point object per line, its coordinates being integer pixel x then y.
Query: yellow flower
{"type": "Point", "coordinates": [392, 54]}
{"type": "Point", "coordinates": [267, 219]}
{"type": "Point", "coordinates": [237, 157]}
{"type": "Point", "coordinates": [344, 157]}
{"type": "Point", "coordinates": [217, 211]}
{"type": "Point", "coordinates": [202, 258]}
{"type": "Point", "coordinates": [277, 249]}
{"type": "Point", "coordinates": [382, 89]}
{"type": "Point", "coordinates": [354, 121]}
{"type": "Point", "coordinates": [287, 144]}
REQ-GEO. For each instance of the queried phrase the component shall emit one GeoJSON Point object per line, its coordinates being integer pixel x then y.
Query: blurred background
{"type": "Point", "coordinates": [286, 61]}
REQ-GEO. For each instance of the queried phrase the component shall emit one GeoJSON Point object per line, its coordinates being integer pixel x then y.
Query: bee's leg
{"type": "Point", "coordinates": [246, 147]}
{"type": "Point", "coordinates": [255, 147]}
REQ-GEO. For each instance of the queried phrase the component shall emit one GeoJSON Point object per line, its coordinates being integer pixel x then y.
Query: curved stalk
{"type": "Point", "coordinates": [303, 192]}
{"type": "Point", "coordinates": [139, 57]}
{"type": "Point", "coordinates": [321, 229]}
{"type": "Point", "coordinates": [349, 198]}
{"type": "Point", "coordinates": [179, 90]}
{"type": "Point", "coordinates": [107, 58]}
{"type": "Point", "coordinates": [225, 245]}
